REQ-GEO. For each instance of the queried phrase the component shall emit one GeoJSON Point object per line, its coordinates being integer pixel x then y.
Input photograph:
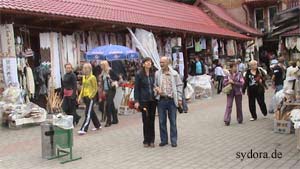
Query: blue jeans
{"type": "Point", "coordinates": [167, 107]}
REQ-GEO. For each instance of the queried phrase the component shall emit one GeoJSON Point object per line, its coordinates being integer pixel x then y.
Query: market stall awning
{"type": "Point", "coordinates": [222, 14]}
{"type": "Point", "coordinates": [165, 14]}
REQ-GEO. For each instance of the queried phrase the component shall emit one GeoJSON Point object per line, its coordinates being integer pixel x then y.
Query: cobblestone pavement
{"type": "Point", "coordinates": [204, 142]}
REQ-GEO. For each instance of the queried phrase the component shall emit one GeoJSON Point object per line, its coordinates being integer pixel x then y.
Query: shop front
{"type": "Point", "coordinates": [37, 42]}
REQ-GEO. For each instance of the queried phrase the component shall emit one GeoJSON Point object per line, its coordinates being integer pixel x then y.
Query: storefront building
{"type": "Point", "coordinates": [45, 34]}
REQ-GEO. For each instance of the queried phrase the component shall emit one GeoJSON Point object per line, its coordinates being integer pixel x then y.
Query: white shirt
{"type": "Point", "coordinates": [219, 71]}
{"type": "Point", "coordinates": [241, 67]}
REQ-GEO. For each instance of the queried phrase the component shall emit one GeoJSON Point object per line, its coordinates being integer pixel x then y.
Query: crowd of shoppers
{"type": "Point", "coordinates": [162, 91]}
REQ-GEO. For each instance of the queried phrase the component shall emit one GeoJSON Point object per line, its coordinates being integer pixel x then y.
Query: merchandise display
{"type": "Point", "coordinates": [15, 112]}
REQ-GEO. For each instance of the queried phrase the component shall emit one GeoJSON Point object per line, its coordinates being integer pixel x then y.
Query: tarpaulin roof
{"type": "Point", "coordinates": [153, 13]}
{"type": "Point", "coordinates": [221, 13]}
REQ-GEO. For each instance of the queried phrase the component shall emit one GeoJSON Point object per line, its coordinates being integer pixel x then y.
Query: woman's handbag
{"type": "Point", "coordinates": [227, 89]}
{"type": "Point", "coordinates": [102, 96]}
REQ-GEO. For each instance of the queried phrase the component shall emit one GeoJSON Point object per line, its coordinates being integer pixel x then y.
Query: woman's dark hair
{"type": "Point", "coordinates": [146, 60]}
{"type": "Point", "coordinates": [143, 69]}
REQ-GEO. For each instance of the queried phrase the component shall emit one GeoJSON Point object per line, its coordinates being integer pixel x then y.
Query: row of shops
{"type": "Point", "coordinates": [36, 42]}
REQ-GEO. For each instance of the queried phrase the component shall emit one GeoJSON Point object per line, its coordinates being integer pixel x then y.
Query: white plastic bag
{"type": "Point", "coordinates": [202, 86]}
{"type": "Point", "coordinates": [276, 99]}
{"type": "Point", "coordinates": [63, 121]}
{"type": "Point", "coordinates": [189, 91]}
{"type": "Point", "coordinates": [295, 118]}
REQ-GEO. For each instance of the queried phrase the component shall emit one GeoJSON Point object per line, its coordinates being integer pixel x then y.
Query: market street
{"type": "Point", "coordinates": [204, 142]}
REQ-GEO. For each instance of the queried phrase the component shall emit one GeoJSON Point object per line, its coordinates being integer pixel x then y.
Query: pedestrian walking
{"type": "Point", "coordinates": [219, 75]}
{"type": "Point", "coordinates": [185, 107]}
{"type": "Point", "coordinates": [88, 92]}
{"type": "Point", "coordinates": [109, 83]}
{"type": "Point", "coordinates": [169, 94]}
{"type": "Point", "coordinates": [69, 93]}
{"type": "Point", "coordinates": [277, 76]}
{"type": "Point", "coordinates": [241, 66]}
{"type": "Point", "coordinates": [235, 78]}
{"type": "Point", "coordinates": [145, 100]}
{"type": "Point", "coordinates": [255, 85]}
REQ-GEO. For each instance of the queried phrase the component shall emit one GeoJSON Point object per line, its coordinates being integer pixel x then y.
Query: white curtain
{"type": "Point", "coordinates": [55, 62]}
{"type": "Point", "coordinates": [146, 43]}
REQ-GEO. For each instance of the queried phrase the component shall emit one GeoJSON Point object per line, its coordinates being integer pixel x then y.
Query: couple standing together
{"type": "Point", "coordinates": [163, 89]}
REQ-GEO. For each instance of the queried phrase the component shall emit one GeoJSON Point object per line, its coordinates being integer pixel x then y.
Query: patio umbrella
{"type": "Point", "coordinates": [111, 53]}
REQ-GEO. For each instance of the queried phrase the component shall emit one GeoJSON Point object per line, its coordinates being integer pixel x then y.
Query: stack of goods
{"type": "Point", "coordinates": [202, 86]}
{"type": "Point", "coordinates": [289, 101]}
{"type": "Point", "coordinates": [295, 118]}
{"type": "Point", "coordinates": [15, 112]}
{"type": "Point", "coordinates": [285, 107]}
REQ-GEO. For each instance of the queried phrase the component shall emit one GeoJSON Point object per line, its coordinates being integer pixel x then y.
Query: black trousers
{"type": "Point", "coordinates": [111, 114]}
{"type": "Point", "coordinates": [220, 83]}
{"type": "Point", "coordinates": [148, 121]}
{"type": "Point", "coordinates": [89, 115]}
{"type": "Point", "coordinates": [255, 94]}
{"type": "Point", "coordinates": [102, 107]}
{"type": "Point", "coordinates": [69, 107]}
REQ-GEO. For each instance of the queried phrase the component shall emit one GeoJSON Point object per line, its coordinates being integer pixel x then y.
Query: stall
{"type": "Point", "coordinates": [15, 112]}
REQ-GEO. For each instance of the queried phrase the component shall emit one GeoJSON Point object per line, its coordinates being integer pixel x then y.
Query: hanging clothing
{"type": "Point", "coordinates": [102, 39]}
{"type": "Point", "coordinates": [203, 43]}
{"type": "Point", "coordinates": [106, 38]}
{"type": "Point", "coordinates": [179, 41]}
{"type": "Point", "coordinates": [215, 47]}
{"type": "Point", "coordinates": [230, 48]}
{"type": "Point", "coordinates": [298, 43]}
{"type": "Point", "coordinates": [10, 71]}
{"type": "Point", "coordinates": [113, 39]}
{"type": "Point", "coordinates": [120, 40]}
{"type": "Point", "coordinates": [41, 79]}
{"type": "Point", "coordinates": [173, 42]}
{"type": "Point", "coordinates": [7, 40]}
{"type": "Point", "coordinates": [293, 42]}
{"type": "Point", "coordinates": [168, 48]}
{"type": "Point", "coordinates": [30, 82]}
{"type": "Point", "coordinates": [55, 61]}
{"type": "Point", "coordinates": [128, 40]}
{"type": "Point", "coordinates": [198, 46]}
{"type": "Point", "coordinates": [45, 55]}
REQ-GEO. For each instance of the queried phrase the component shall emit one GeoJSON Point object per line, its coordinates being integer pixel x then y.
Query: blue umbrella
{"type": "Point", "coordinates": [111, 53]}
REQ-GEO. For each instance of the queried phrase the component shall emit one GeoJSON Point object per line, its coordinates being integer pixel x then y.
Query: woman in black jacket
{"type": "Point", "coordinates": [69, 93]}
{"type": "Point", "coordinates": [145, 100]}
{"type": "Point", "coordinates": [255, 84]}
